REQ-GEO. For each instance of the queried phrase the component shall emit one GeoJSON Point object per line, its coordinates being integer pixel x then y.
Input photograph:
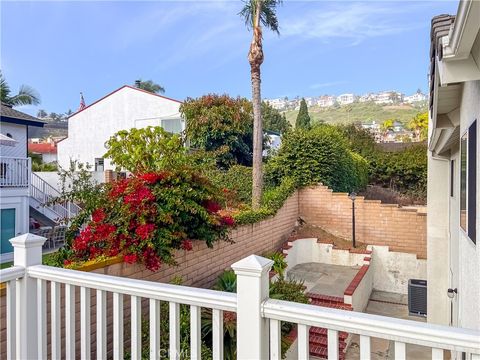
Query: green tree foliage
{"type": "Point", "coordinates": [223, 124]}
{"type": "Point", "coordinates": [147, 149]}
{"type": "Point", "coordinates": [303, 119]}
{"type": "Point", "coordinates": [319, 155]}
{"type": "Point", "coordinates": [26, 95]}
{"type": "Point", "coordinates": [404, 171]}
{"type": "Point", "coordinates": [236, 183]}
{"type": "Point", "coordinates": [273, 120]}
{"type": "Point", "coordinates": [150, 86]}
{"type": "Point", "coordinates": [41, 113]}
{"type": "Point", "coordinates": [419, 124]}
{"type": "Point", "coordinates": [387, 125]}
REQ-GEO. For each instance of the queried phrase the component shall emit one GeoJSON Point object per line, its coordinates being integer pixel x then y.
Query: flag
{"type": "Point", "coordinates": [82, 103]}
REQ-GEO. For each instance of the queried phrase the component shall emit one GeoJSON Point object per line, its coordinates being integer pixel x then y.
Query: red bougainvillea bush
{"type": "Point", "coordinates": [146, 217]}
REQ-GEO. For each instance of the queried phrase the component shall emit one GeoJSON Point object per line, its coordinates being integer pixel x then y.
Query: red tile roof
{"type": "Point", "coordinates": [42, 148]}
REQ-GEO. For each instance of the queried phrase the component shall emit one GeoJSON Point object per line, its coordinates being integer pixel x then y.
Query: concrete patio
{"type": "Point", "coordinates": [324, 279]}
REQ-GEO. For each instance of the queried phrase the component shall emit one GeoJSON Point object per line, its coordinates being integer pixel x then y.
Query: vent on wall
{"type": "Point", "coordinates": [417, 297]}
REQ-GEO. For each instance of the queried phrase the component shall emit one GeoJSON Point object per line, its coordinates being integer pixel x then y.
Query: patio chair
{"type": "Point", "coordinates": [45, 232]}
{"type": "Point", "coordinates": [58, 235]}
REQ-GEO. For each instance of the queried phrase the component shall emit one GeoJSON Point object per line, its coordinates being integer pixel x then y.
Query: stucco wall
{"type": "Point", "coordinates": [469, 253]}
{"type": "Point", "coordinates": [392, 270]}
{"type": "Point", "coordinates": [401, 229]}
{"type": "Point", "coordinates": [125, 109]}
{"type": "Point", "coordinates": [53, 179]}
{"type": "Point", "coordinates": [19, 133]}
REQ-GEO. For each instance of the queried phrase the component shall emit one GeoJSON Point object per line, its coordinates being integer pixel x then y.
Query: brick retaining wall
{"type": "Point", "coordinates": [402, 229]}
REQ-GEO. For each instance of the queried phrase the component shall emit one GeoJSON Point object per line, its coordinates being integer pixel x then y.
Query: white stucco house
{"type": "Point", "coordinates": [15, 170]}
{"type": "Point", "coordinates": [453, 223]}
{"type": "Point", "coordinates": [125, 108]}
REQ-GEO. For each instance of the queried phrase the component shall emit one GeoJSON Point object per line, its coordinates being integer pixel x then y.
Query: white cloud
{"type": "Point", "coordinates": [351, 21]}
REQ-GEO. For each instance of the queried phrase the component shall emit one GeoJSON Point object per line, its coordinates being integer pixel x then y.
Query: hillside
{"type": "Point", "coordinates": [360, 112]}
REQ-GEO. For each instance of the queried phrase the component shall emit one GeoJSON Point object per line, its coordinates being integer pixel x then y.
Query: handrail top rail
{"type": "Point", "coordinates": [14, 157]}
{"type": "Point", "coordinates": [147, 289]}
{"type": "Point", "coordinates": [11, 273]}
{"type": "Point", "coordinates": [407, 331]}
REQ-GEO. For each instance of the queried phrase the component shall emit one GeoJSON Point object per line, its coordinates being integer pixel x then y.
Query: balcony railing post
{"type": "Point", "coordinates": [27, 252]}
{"type": "Point", "coordinates": [252, 290]}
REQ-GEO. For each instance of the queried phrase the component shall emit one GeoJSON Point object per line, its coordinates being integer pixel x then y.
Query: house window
{"type": "Point", "coordinates": [468, 182]}
{"type": "Point", "coordinates": [99, 164]}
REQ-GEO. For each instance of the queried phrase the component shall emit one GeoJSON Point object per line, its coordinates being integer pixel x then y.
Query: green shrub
{"type": "Point", "coordinates": [319, 155]}
{"type": "Point", "coordinates": [227, 281]}
{"type": "Point", "coordinates": [272, 200]}
{"type": "Point", "coordinates": [237, 180]}
{"type": "Point", "coordinates": [279, 262]}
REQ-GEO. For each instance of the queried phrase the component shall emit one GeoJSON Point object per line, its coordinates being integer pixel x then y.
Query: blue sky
{"type": "Point", "coordinates": [196, 47]}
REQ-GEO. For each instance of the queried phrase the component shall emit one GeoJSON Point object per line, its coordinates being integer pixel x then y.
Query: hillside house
{"type": "Point", "coordinates": [123, 109]}
{"type": "Point", "coordinates": [346, 99]}
{"type": "Point", "coordinates": [453, 248]}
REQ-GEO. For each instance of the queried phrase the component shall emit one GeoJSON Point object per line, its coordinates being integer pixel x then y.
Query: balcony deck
{"type": "Point", "coordinates": [258, 318]}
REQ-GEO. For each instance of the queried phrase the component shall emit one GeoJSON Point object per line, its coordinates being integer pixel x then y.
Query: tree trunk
{"type": "Point", "coordinates": [257, 138]}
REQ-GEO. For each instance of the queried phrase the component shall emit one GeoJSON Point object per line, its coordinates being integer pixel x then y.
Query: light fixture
{"type": "Point", "coordinates": [451, 293]}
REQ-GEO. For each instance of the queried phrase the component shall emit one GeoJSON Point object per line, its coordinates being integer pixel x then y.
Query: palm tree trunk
{"type": "Point", "coordinates": [257, 138]}
{"type": "Point", "coordinates": [255, 58]}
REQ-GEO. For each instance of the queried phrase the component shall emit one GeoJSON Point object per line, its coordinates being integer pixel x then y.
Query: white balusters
{"type": "Point", "coordinates": [136, 327]}
{"type": "Point", "coordinates": [11, 320]}
{"type": "Point", "coordinates": [332, 337]}
{"type": "Point", "coordinates": [85, 322]}
{"type": "Point", "coordinates": [195, 333]}
{"type": "Point", "coordinates": [174, 329]}
{"type": "Point", "coordinates": [217, 334]}
{"type": "Point", "coordinates": [42, 318]}
{"type": "Point", "coordinates": [69, 321]}
{"type": "Point", "coordinates": [55, 323]}
{"type": "Point", "coordinates": [101, 325]}
{"type": "Point", "coordinates": [303, 342]}
{"type": "Point", "coordinates": [400, 351]}
{"type": "Point", "coordinates": [365, 347]}
{"type": "Point", "coordinates": [117, 326]}
{"type": "Point", "coordinates": [275, 340]}
{"type": "Point", "coordinates": [154, 329]}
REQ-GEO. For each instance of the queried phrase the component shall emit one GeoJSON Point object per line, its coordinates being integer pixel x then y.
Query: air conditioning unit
{"type": "Point", "coordinates": [417, 297]}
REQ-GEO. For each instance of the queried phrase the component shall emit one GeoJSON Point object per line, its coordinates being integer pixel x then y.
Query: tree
{"type": "Point", "coordinates": [26, 95]}
{"type": "Point", "coordinates": [387, 125]}
{"type": "Point", "coordinates": [150, 86]}
{"type": "Point", "coordinates": [222, 124]}
{"type": "Point", "coordinates": [419, 124]}
{"type": "Point", "coordinates": [41, 113]}
{"type": "Point", "coordinates": [303, 119]}
{"type": "Point", "coordinates": [273, 120]}
{"type": "Point", "coordinates": [257, 13]}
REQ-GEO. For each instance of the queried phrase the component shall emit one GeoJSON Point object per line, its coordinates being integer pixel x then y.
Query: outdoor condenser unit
{"type": "Point", "coordinates": [417, 297]}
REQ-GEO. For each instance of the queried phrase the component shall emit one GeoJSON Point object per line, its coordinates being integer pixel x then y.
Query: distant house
{"type": "Point", "coordinates": [123, 109]}
{"type": "Point", "coordinates": [46, 150]}
{"type": "Point", "coordinates": [346, 99]}
{"type": "Point", "coordinates": [453, 222]}
{"type": "Point", "coordinates": [15, 170]}
{"type": "Point", "coordinates": [326, 101]}
{"type": "Point", "coordinates": [417, 97]}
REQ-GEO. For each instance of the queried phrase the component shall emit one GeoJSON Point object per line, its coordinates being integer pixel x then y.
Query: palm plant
{"type": "Point", "coordinates": [150, 86]}
{"type": "Point", "coordinates": [26, 95]}
{"type": "Point", "coordinates": [257, 13]}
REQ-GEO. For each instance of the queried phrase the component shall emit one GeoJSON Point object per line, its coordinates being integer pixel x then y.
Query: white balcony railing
{"type": "Point", "coordinates": [258, 317]}
{"type": "Point", "coordinates": [14, 172]}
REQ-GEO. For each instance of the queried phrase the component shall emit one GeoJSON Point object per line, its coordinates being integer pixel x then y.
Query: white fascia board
{"type": "Point", "coordinates": [458, 44]}
{"type": "Point", "coordinates": [458, 71]}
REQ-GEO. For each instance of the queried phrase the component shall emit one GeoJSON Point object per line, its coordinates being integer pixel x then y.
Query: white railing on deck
{"type": "Point", "coordinates": [44, 193]}
{"type": "Point", "coordinates": [14, 172]}
{"type": "Point", "coordinates": [258, 317]}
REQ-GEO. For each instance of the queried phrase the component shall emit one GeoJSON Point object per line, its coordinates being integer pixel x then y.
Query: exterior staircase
{"type": "Point", "coordinates": [40, 194]}
{"type": "Point", "coordinates": [318, 336]}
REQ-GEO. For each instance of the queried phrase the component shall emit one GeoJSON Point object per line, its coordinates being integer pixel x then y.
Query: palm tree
{"type": "Point", "coordinates": [257, 13]}
{"type": "Point", "coordinates": [150, 86]}
{"type": "Point", "coordinates": [26, 95]}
